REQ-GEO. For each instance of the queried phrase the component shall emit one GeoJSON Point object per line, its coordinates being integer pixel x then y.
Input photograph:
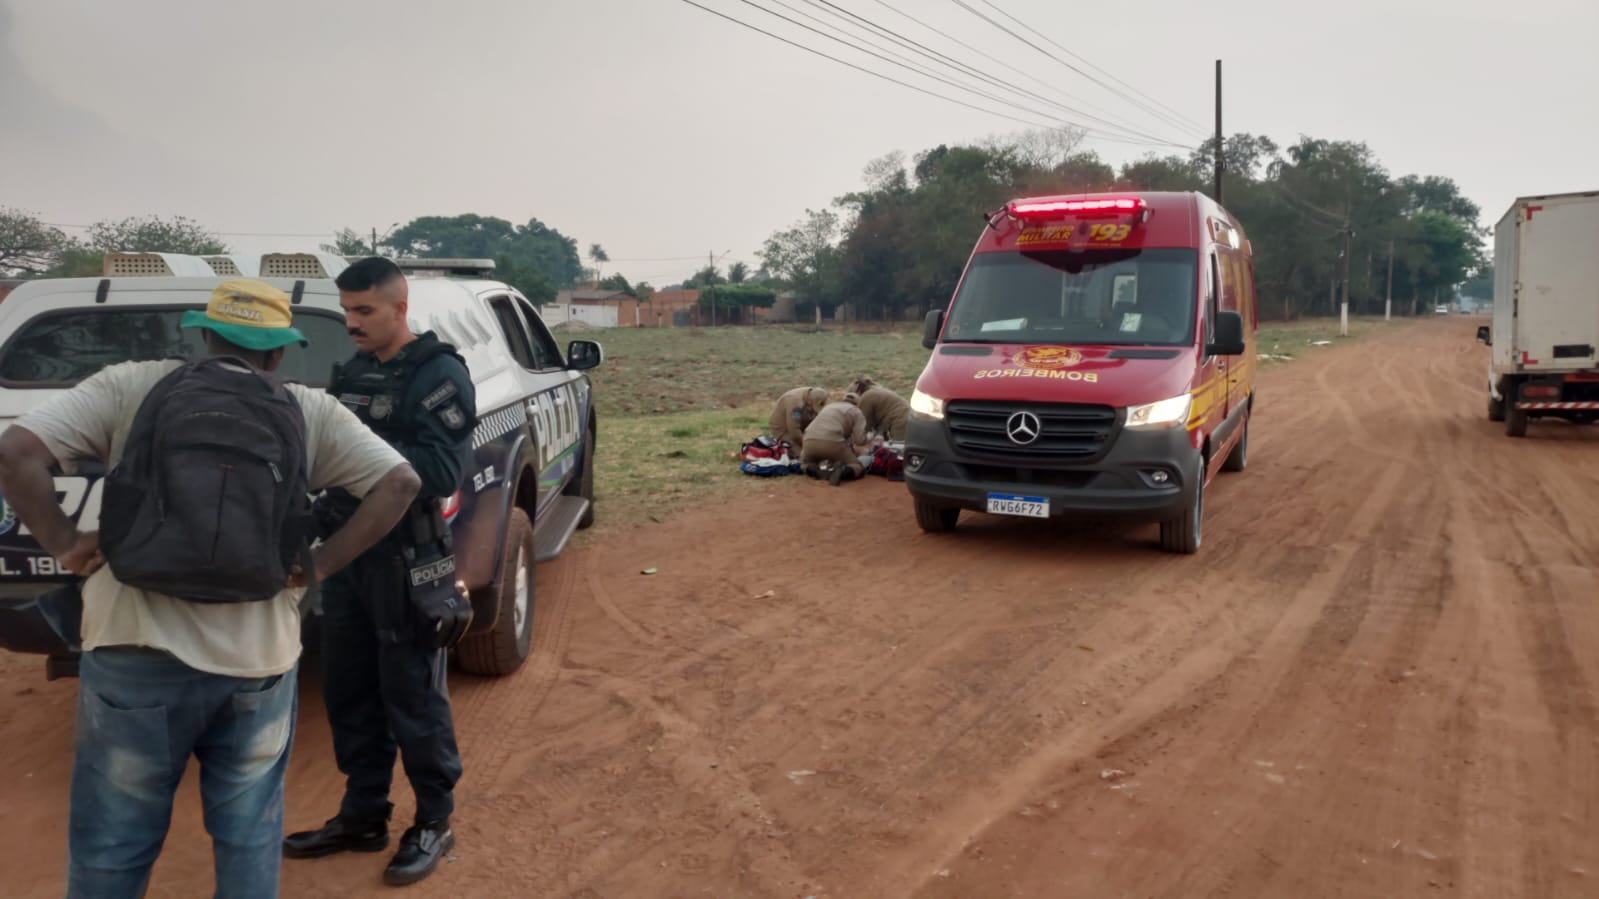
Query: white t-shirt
{"type": "Point", "coordinates": [248, 639]}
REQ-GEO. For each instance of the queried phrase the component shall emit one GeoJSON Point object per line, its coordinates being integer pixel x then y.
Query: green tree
{"type": "Point", "coordinates": [805, 257]}
{"type": "Point", "coordinates": [705, 277]}
{"type": "Point", "coordinates": [151, 234]}
{"type": "Point", "coordinates": [529, 280]}
{"type": "Point", "coordinates": [738, 273]}
{"type": "Point", "coordinates": [346, 242]}
{"type": "Point", "coordinates": [617, 282]}
{"type": "Point", "coordinates": [533, 246]}
{"type": "Point", "coordinates": [599, 257]}
{"type": "Point", "coordinates": [1480, 286]}
{"type": "Point", "coordinates": [27, 245]}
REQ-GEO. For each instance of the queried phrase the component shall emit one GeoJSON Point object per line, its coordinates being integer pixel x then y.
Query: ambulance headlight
{"type": "Point", "coordinates": [1170, 413]}
{"type": "Point", "coordinates": [926, 407]}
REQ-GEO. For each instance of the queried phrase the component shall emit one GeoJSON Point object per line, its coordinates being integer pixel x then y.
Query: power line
{"type": "Point", "coordinates": [1001, 26]}
{"type": "Point", "coordinates": [875, 74]}
{"type": "Point", "coordinates": [964, 70]}
{"type": "Point", "coordinates": [935, 77]}
{"type": "Point", "coordinates": [1091, 65]}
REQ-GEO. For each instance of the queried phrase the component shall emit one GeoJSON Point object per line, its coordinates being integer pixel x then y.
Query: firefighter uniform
{"type": "Point", "coordinates": [839, 429]}
{"type": "Point", "coordinates": [887, 413]}
{"type": "Point", "coordinates": [795, 410]}
{"type": "Point", "coordinates": [384, 687]}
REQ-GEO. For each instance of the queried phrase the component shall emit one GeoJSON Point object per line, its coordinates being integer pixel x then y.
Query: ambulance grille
{"type": "Point", "coordinates": [1069, 432]}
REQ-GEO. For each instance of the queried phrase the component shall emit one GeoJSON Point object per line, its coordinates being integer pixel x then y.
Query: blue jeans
{"type": "Point", "coordinates": [141, 714]}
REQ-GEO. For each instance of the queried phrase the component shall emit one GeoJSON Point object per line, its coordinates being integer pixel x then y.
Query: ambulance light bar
{"type": "Point", "coordinates": [1048, 209]}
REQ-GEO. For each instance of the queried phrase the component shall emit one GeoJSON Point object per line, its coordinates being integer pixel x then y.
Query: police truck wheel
{"type": "Point", "coordinates": [1239, 457]}
{"type": "Point", "coordinates": [1496, 409]}
{"type": "Point", "coordinates": [586, 481]}
{"type": "Point", "coordinates": [935, 519]}
{"type": "Point", "coordinates": [1183, 534]}
{"type": "Point", "coordinates": [504, 649]}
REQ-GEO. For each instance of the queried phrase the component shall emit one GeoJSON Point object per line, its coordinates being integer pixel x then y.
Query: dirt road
{"type": "Point", "coordinates": [1376, 679]}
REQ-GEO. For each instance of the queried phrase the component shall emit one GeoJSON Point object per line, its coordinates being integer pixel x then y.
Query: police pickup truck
{"type": "Point", "coordinates": [530, 485]}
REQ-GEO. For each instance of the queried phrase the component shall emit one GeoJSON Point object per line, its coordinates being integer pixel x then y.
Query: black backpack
{"type": "Point", "coordinates": [209, 501]}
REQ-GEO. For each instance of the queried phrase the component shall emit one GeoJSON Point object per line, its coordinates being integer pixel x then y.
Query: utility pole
{"type": "Point", "coordinates": [1219, 164]}
{"type": "Point", "coordinates": [1388, 307]}
{"type": "Point", "coordinates": [1343, 313]}
{"type": "Point", "coordinates": [374, 241]}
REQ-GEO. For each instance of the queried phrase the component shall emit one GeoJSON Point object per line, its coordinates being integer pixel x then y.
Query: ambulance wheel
{"type": "Point", "coordinates": [1239, 457]}
{"type": "Point", "coordinates": [586, 480]}
{"type": "Point", "coordinates": [503, 650]}
{"type": "Point", "coordinates": [933, 518]}
{"type": "Point", "coordinates": [1515, 420]}
{"type": "Point", "coordinates": [1183, 534]}
{"type": "Point", "coordinates": [1496, 409]}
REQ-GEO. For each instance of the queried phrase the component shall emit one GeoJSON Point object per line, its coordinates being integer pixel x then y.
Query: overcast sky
{"type": "Point", "coordinates": [663, 132]}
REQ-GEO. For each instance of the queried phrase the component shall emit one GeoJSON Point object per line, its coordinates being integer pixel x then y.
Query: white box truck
{"type": "Point", "coordinates": [1545, 332]}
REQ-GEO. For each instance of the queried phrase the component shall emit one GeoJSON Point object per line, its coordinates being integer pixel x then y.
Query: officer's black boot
{"type": "Point", "coordinates": [340, 834]}
{"type": "Point", "coordinates": [421, 849]}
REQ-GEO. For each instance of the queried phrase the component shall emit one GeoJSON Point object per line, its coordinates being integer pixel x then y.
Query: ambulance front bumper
{"type": "Point", "coordinates": [1148, 475]}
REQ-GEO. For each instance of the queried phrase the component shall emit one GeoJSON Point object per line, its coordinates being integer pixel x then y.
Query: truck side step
{"type": "Point", "coordinates": [556, 526]}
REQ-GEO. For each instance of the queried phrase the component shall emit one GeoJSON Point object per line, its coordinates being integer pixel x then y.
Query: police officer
{"type": "Point", "coordinates": [384, 674]}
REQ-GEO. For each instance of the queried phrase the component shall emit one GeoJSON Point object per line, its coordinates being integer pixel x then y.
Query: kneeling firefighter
{"type": "Point", "coordinates": [390, 617]}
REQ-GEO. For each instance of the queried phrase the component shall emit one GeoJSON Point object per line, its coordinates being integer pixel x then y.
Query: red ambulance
{"type": "Point", "coordinates": [1098, 358]}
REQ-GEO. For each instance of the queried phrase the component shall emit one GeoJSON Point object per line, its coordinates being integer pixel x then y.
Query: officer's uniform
{"type": "Point", "coordinates": [886, 412]}
{"type": "Point", "coordinates": [385, 688]}
{"type": "Point", "coordinates": [838, 429]}
{"type": "Point", "coordinates": [791, 416]}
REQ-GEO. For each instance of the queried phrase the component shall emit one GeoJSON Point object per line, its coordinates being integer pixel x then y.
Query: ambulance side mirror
{"type": "Point", "coordinates": [582, 355]}
{"type": "Point", "coordinates": [1229, 337]}
{"type": "Point", "coordinates": [931, 328]}
{"type": "Point", "coordinates": [1485, 335]}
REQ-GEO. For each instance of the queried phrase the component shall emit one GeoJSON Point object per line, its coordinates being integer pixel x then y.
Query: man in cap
{"type": "Point", "coordinates": [163, 678]}
{"type": "Point", "coordinates": [795, 410]}
{"type": "Point", "coordinates": [384, 677]}
{"type": "Point", "coordinates": [838, 437]}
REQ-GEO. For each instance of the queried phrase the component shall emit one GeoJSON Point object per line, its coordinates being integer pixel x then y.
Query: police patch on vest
{"type": "Point", "coordinates": [382, 405]}
{"type": "Point", "coordinates": [354, 399]}
{"type": "Point", "coordinates": [426, 574]}
{"type": "Point", "coordinates": [432, 400]}
{"type": "Point", "coordinates": [453, 417]}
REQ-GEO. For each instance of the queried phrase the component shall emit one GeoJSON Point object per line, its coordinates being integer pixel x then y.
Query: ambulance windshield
{"type": "Point", "coordinates": [1078, 297]}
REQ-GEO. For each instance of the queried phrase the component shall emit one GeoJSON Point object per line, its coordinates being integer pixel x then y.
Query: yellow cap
{"type": "Point", "coordinates": [250, 313]}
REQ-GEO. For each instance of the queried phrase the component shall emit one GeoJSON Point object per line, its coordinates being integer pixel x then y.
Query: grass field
{"type": "Point", "coordinates": [675, 403]}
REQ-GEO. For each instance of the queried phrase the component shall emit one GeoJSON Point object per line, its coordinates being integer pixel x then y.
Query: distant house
{"type": "Point", "coordinates": [672, 309]}
{"type": "Point", "coordinates": [599, 308]}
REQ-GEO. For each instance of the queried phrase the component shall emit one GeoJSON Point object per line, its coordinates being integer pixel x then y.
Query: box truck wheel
{"type": "Point", "coordinates": [1183, 533]}
{"type": "Point", "coordinates": [933, 518]}
{"type": "Point", "coordinates": [1496, 409]}
{"type": "Point", "coordinates": [1515, 419]}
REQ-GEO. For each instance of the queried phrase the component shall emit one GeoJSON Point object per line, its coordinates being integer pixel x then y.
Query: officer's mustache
{"type": "Point", "coordinates": [357, 332]}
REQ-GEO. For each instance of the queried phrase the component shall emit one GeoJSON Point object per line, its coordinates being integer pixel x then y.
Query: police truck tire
{"type": "Point", "coordinates": [502, 650]}
{"type": "Point", "coordinates": [933, 518]}
{"type": "Point", "coordinates": [586, 480]}
{"type": "Point", "coordinates": [1239, 457]}
{"type": "Point", "coordinates": [1184, 533]}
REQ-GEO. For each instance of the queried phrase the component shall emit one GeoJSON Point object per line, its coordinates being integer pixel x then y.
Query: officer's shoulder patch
{"type": "Point", "coordinates": [453, 417]}
{"type": "Point", "coordinates": [439, 395]}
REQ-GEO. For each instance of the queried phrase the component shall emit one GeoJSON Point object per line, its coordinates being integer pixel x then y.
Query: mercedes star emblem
{"type": "Point", "coordinates": [1023, 428]}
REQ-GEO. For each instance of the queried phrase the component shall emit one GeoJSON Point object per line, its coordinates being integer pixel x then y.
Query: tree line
{"type": "Point", "coordinates": [899, 245]}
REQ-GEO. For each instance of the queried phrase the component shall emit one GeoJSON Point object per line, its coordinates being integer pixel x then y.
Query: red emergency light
{"type": "Point", "coordinates": [1048, 209]}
